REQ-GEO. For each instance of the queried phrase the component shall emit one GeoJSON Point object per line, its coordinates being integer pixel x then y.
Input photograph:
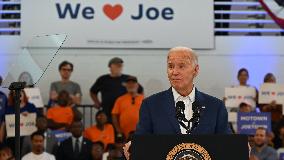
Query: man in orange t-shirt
{"type": "Point", "coordinates": [102, 131]}
{"type": "Point", "coordinates": [62, 115]}
{"type": "Point", "coordinates": [125, 113]}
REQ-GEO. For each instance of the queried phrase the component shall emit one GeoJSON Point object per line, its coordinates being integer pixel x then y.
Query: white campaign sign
{"type": "Point", "coordinates": [27, 124]}
{"type": "Point", "coordinates": [34, 96]}
{"type": "Point", "coordinates": [121, 24]}
{"type": "Point", "coordinates": [271, 92]}
{"type": "Point", "coordinates": [236, 95]}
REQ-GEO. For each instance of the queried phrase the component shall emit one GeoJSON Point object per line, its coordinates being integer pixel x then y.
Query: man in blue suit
{"type": "Point", "coordinates": [158, 112]}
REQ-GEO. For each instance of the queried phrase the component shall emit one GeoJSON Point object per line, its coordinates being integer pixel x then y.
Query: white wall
{"type": "Point", "coordinates": [218, 67]}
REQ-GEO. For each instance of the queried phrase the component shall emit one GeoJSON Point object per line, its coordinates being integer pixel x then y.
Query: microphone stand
{"type": "Point", "coordinates": [17, 87]}
{"type": "Point", "coordinates": [194, 121]}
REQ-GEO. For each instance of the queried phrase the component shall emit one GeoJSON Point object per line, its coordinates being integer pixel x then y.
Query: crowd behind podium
{"type": "Point", "coordinates": [117, 98]}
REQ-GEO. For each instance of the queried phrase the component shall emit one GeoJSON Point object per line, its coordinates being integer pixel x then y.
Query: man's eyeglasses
{"type": "Point", "coordinates": [66, 69]}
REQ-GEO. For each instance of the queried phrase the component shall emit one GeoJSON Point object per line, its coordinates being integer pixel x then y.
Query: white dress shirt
{"type": "Point", "coordinates": [74, 142]}
{"type": "Point", "coordinates": [187, 100]}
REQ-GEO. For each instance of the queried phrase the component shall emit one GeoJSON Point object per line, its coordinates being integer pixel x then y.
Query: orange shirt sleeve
{"type": "Point", "coordinates": [86, 134]}
{"type": "Point", "coordinates": [49, 114]}
{"type": "Point", "coordinates": [111, 133]}
{"type": "Point", "coordinates": [116, 107]}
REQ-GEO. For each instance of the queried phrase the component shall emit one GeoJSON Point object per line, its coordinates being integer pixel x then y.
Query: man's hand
{"type": "Point", "coordinates": [25, 114]}
{"type": "Point", "coordinates": [126, 150]}
{"type": "Point", "coordinates": [53, 95]}
{"type": "Point", "coordinates": [97, 105]}
{"type": "Point", "coordinates": [76, 99]}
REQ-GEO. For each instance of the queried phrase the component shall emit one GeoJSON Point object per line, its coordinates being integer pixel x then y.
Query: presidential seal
{"type": "Point", "coordinates": [188, 151]}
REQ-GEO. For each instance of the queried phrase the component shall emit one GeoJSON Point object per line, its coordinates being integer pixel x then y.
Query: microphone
{"type": "Point", "coordinates": [196, 108]}
{"type": "Point", "coordinates": [180, 107]}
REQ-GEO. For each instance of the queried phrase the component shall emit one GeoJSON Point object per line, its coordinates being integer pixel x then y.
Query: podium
{"type": "Point", "coordinates": [189, 147]}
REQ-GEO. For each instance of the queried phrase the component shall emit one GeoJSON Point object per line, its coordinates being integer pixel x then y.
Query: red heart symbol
{"type": "Point", "coordinates": [274, 9]}
{"type": "Point", "coordinates": [240, 97]}
{"type": "Point", "coordinates": [113, 12]}
{"type": "Point", "coordinates": [273, 93]}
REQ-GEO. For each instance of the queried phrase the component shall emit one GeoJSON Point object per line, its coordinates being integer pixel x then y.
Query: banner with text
{"type": "Point", "coordinates": [121, 24]}
{"type": "Point", "coordinates": [271, 92]}
{"type": "Point", "coordinates": [247, 123]}
{"type": "Point", "coordinates": [236, 95]}
{"type": "Point", "coordinates": [27, 124]}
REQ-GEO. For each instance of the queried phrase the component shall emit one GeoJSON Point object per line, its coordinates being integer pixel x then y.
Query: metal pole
{"type": "Point", "coordinates": [17, 124]}
{"type": "Point", "coordinates": [17, 87]}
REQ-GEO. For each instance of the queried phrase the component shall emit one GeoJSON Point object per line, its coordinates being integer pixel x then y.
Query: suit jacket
{"type": "Point", "coordinates": [66, 150]}
{"type": "Point", "coordinates": [158, 115]}
{"type": "Point", "coordinates": [51, 144]}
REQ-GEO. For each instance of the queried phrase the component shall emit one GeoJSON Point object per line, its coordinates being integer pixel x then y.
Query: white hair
{"type": "Point", "coordinates": [194, 59]}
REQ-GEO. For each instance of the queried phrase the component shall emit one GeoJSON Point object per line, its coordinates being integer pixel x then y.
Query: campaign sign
{"type": "Point", "coordinates": [247, 123]}
{"type": "Point", "coordinates": [236, 95]}
{"type": "Point", "coordinates": [34, 96]}
{"type": "Point", "coordinates": [27, 124]}
{"type": "Point", "coordinates": [271, 92]}
{"type": "Point", "coordinates": [61, 135]}
{"type": "Point", "coordinates": [121, 24]}
{"type": "Point", "coordinates": [281, 156]}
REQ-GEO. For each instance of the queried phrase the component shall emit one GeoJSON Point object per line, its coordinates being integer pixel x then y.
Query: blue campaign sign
{"type": "Point", "coordinates": [3, 104]}
{"type": "Point", "coordinates": [61, 135]}
{"type": "Point", "coordinates": [281, 156]}
{"type": "Point", "coordinates": [247, 123]}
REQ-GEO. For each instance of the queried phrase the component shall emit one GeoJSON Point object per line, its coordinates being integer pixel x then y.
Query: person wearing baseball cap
{"type": "Point", "coordinates": [125, 113]}
{"type": "Point", "coordinates": [115, 60]}
{"type": "Point", "coordinates": [111, 86]}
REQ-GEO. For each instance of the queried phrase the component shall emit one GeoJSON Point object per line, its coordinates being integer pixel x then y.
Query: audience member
{"type": "Point", "coordinates": [50, 141]}
{"type": "Point", "coordinates": [119, 143]}
{"type": "Point", "coordinates": [65, 69]}
{"type": "Point", "coordinates": [244, 107]}
{"type": "Point", "coordinates": [26, 77]}
{"type": "Point", "coordinates": [243, 77]}
{"type": "Point", "coordinates": [115, 154]}
{"type": "Point", "coordinates": [253, 157]}
{"type": "Point", "coordinates": [3, 106]}
{"type": "Point", "coordinates": [38, 153]}
{"type": "Point", "coordinates": [62, 115]}
{"type": "Point", "coordinates": [26, 108]}
{"type": "Point", "coordinates": [125, 113]}
{"type": "Point", "coordinates": [102, 131]}
{"type": "Point", "coordinates": [111, 86]}
{"type": "Point", "coordinates": [279, 138]}
{"type": "Point", "coordinates": [275, 109]}
{"type": "Point", "coordinates": [261, 150]}
{"type": "Point", "coordinates": [270, 138]}
{"type": "Point", "coordinates": [5, 153]}
{"type": "Point", "coordinates": [76, 147]}
{"type": "Point", "coordinates": [97, 150]}
{"type": "Point", "coordinates": [108, 148]}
